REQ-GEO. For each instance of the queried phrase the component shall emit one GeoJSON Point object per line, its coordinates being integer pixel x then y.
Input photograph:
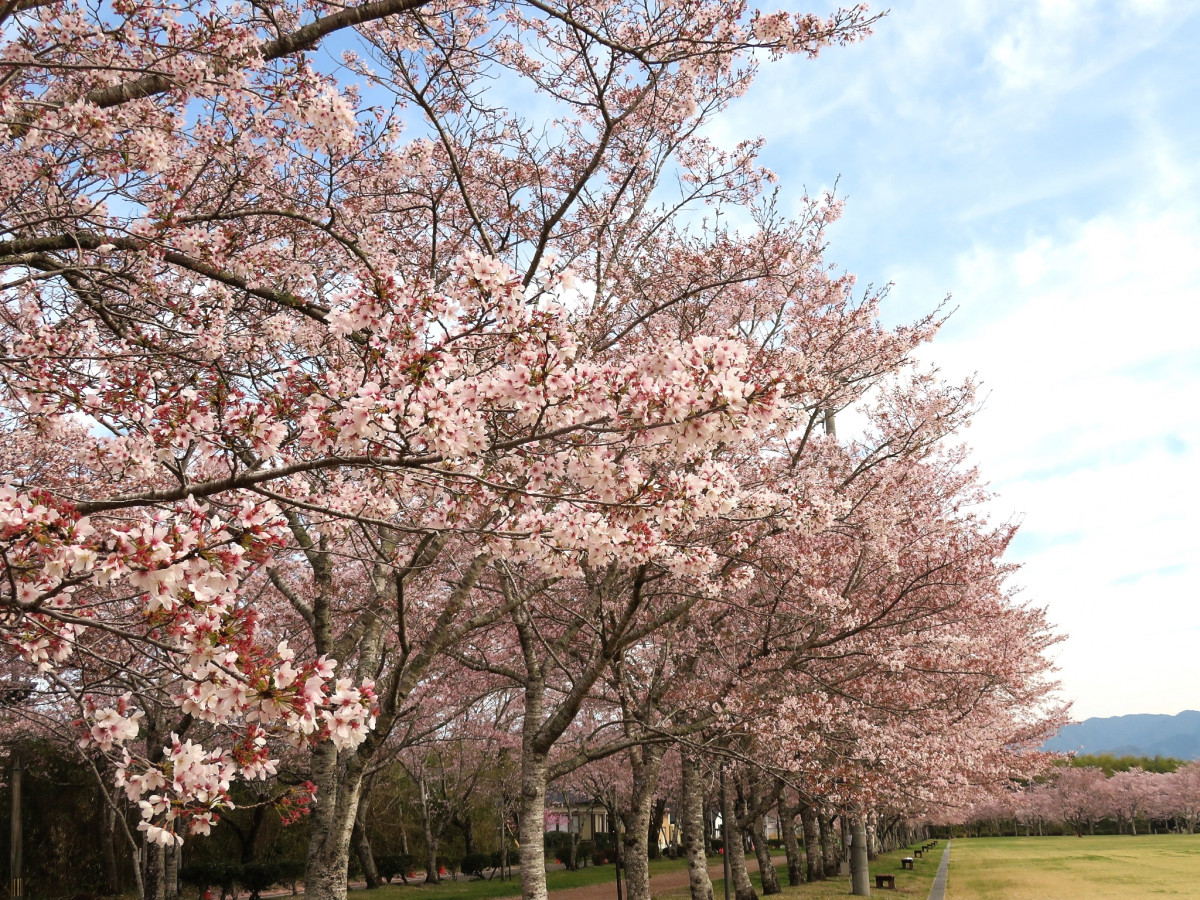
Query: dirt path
{"type": "Point", "coordinates": [674, 880]}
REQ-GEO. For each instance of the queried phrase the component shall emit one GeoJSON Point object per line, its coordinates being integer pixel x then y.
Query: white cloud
{"type": "Point", "coordinates": [1088, 343]}
{"type": "Point", "coordinates": [1037, 160]}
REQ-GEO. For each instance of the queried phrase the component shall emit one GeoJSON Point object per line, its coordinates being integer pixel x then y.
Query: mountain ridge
{"type": "Point", "coordinates": [1137, 734]}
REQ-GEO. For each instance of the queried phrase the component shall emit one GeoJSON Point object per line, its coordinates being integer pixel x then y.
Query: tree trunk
{"type": "Point", "coordinates": [695, 828]}
{"type": "Point", "coordinates": [762, 850]}
{"type": "Point", "coordinates": [787, 828]}
{"type": "Point", "coordinates": [139, 879]}
{"type": "Point", "coordinates": [108, 850]}
{"type": "Point", "coordinates": [613, 818]}
{"type": "Point", "coordinates": [844, 847]}
{"type": "Point", "coordinates": [812, 843]}
{"type": "Point", "coordinates": [830, 850]}
{"type": "Point", "coordinates": [171, 873]}
{"type": "Point", "coordinates": [531, 827]}
{"type": "Point", "coordinates": [503, 847]}
{"type": "Point", "coordinates": [155, 889]}
{"type": "Point", "coordinates": [753, 806]}
{"type": "Point", "coordinates": [249, 839]}
{"type": "Point", "coordinates": [468, 832]}
{"type": "Point", "coordinates": [657, 811]}
{"type": "Point", "coordinates": [645, 762]}
{"type": "Point", "coordinates": [734, 850]}
{"type": "Point", "coordinates": [332, 821]}
{"type": "Point", "coordinates": [710, 824]}
{"type": "Point", "coordinates": [362, 840]}
{"type": "Point", "coordinates": [430, 836]}
{"type": "Point", "coordinates": [463, 823]}
{"type": "Point", "coordinates": [860, 872]}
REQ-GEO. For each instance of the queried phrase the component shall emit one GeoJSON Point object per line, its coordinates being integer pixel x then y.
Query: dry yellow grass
{"type": "Point", "coordinates": [1071, 868]}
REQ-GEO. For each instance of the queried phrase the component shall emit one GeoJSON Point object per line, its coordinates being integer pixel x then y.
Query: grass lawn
{"type": "Point", "coordinates": [1067, 868]}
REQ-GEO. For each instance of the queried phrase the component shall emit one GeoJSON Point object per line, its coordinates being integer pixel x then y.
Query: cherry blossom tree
{"type": "Point", "coordinates": [1182, 794]}
{"type": "Point", "coordinates": [289, 345]}
{"type": "Point", "coordinates": [340, 401]}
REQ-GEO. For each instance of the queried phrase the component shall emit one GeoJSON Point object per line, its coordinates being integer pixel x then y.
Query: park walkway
{"type": "Point", "coordinates": [672, 880]}
{"type": "Point", "coordinates": [663, 882]}
{"type": "Point", "coordinates": [938, 891]}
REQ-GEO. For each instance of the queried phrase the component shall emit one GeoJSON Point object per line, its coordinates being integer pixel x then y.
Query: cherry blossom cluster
{"type": "Point", "coordinates": [188, 786]}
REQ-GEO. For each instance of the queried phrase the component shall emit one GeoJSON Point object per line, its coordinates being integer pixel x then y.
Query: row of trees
{"type": "Point", "coordinates": [443, 822]}
{"type": "Point", "coordinates": [461, 400]}
{"type": "Point", "coordinates": [1080, 798]}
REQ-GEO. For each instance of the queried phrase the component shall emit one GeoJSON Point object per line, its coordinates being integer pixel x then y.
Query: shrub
{"type": "Point", "coordinates": [600, 858]}
{"type": "Point", "coordinates": [395, 864]}
{"type": "Point", "coordinates": [257, 877]}
{"type": "Point", "coordinates": [473, 864]}
{"type": "Point", "coordinates": [585, 851]}
{"type": "Point", "coordinates": [558, 842]}
{"type": "Point", "coordinates": [291, 871]}
{"type": "Point", "coordinates": [205, 875]}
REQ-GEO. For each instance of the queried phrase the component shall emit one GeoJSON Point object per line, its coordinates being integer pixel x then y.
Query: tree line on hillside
{"type": "Point", "coordinates": [366, 438]}
{"type": "Point", "coordinates": [1108, 763]}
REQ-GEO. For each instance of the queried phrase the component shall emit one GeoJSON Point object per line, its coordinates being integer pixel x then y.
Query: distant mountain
{"type": "Point", "coordinates": [1136, 735]}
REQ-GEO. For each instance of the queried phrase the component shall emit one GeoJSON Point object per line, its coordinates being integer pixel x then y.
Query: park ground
{"type": "Point", "coordinates": [1115, 867]}
{"type": "Point", "coordinates": [1036, 868]}
{"type": "Point", "coordinates": [669, 881]}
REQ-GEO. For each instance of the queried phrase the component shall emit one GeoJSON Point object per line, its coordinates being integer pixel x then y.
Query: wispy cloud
{"type": "Point", "coordinates": [1039, 162]}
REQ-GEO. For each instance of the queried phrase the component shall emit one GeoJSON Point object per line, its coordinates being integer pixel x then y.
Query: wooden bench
{"type": "Point", "coordinates": [907, 863]}
{"type": "Point", "coordinates": [918, 853]}
{"type": "Point", "coordinates": [885, 881]}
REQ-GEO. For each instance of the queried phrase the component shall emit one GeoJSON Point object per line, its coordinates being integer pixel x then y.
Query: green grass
{"type": "Point", "coordinates": [1110, 867]}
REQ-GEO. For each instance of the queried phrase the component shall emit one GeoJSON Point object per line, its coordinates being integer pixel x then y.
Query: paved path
{"type": "Point", "coordinates": [938, 891]}
{"type": "Point", "coordinates": [671, 880]}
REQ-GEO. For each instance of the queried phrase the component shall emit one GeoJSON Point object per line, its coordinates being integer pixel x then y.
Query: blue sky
{"type": "Point", "coordinates": [1040, 162]}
